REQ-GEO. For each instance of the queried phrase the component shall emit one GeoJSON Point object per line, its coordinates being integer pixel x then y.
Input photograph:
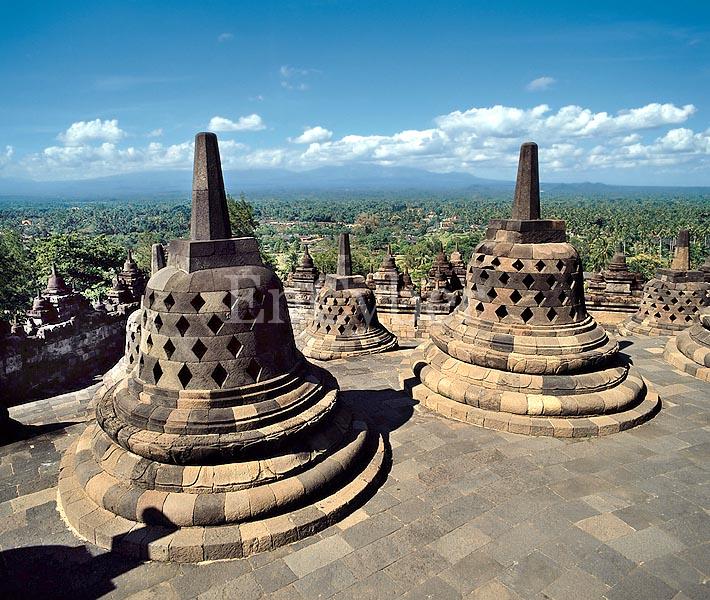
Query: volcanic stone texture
{"type": "Point", "coordinates": [672, 302]}
{"type": "Point", "coordinates": [689, 351]}
{"type": "Point", "coordinates": [522, 354]}
{"type": "Point", "coordinates": [345, 321]}
{"type": "Point", "coordinates": [223, 440]}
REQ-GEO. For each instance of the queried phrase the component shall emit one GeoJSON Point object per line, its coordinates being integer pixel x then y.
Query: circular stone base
{"type": "Point", "coordinates": [194, 544]}
{"type": "Point", "coordinates": [326, 347]}
{"type": "Point", "coordinates": [565, 427]}
{"type": "Point", "coordinates": [680, 361]}
{"type": "Point", "coordinates": [631, 327]}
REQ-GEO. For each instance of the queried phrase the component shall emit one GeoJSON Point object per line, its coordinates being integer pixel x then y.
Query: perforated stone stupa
{"type": "Point", "coordinates": [222, 441]}
{"type": "Point", "coordinates": [522, 354]}
{"type": "Point", "coordinates": [673, 299]}
{"type": "Point", "coordinates": [689, 351]}
{"type": "Point", "coordinates": [345, 319]}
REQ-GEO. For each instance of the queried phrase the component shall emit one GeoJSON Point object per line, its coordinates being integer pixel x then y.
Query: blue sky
{"type": "Point", "coordinates": [617, 92]}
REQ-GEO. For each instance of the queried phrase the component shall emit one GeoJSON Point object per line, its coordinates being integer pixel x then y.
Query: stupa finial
{"type": "Point", "coordinates": [210, 217]}
{"type": "Point", "coordinates": [681, 258]}
{"type": "Point", "coordinates": [526, 204]}
{"type": "Point", "coordinates": [345, 262]}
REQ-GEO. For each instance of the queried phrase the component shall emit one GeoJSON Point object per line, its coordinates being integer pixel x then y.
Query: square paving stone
{"type": "Point", "coordinates": [647, 544]}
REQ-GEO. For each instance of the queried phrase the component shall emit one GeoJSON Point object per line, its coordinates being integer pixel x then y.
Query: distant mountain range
{"type": "Point", "coordinates": [363, 178]}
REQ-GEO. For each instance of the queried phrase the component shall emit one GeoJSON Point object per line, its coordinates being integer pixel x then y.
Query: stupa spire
{"type": "Point", "coordinates": [681, 258]}
{"type": "Point", "coordinates": [345, 261]}
{"type": "Point", "coordinates": [526, 205]}
{"type": "Point", "coordinates": [210, 217]}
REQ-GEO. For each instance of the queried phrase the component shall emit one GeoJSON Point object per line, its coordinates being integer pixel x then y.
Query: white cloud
{"type": "Point", "coordinates": [251, 122]}
{"type": "Point", "coordinates": [90, 131]}
{"type": "Point", "coordinates": [574, 143]}
{"type": "Point", "coordinates": [540, 84]}
{"type": "Point", "coordinates": [313, 134]}
{"type": "Point", "coordinates": [292, 78]}
{"type": "Point", "coordinates": [156, 132]}
{"type": "Point", "coordinates": [225, 37]}
{"type": "Point", "coordinates": [6, 156]}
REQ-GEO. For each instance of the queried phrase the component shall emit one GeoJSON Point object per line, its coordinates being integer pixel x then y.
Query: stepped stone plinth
{"type": "Point", "coordinates": [222, 440]}
{"type": "Point", "coordinates": [521, 354]}
{"type": "Point", "coordinates": [673, 299]}
{"type": "Point", "coordinates": [345, 321]}
{"type": "Point", "coordinates": [689, 351]}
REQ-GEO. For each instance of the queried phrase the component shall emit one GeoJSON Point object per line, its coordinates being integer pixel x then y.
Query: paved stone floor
{"type": "Point", "coordinates": [464, 513]}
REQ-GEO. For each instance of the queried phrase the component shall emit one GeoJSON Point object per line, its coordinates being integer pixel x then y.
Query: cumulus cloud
{"type": "Point", "coordinates": [251, 122]}
{"type": "Point", "coordinates": [481, 140]}
{"type": "Point", "coordinates": [156, 132]}
{"type": "Point", "coordinates": [225, 37]}
{"type": "Point", "coordinates": [293, 78]}
{"type": "Point", "coordinates": [91, 131]}
{"type": "Point", "coordinates": [313, 134]}
{"type": "Point", "coordinates": [540, 84]}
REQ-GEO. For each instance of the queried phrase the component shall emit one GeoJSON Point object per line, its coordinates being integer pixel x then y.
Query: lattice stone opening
{"type": "Point", "coordinates": [182, 325]}
{"type": "Point", "coordinates": [492, 294]}
{"type": "Point", "coordinates": [562, 296]}
{"type": "Point", "coordinates": [219, 375]}
{"type": "Point", "coordinates": [479, 308]}
{"type": "Point", "coordinates": [157, 322]}
{"type": "Point", "coordinates": [501, 312]}
{"type": "Point", "coordinates": [215, 324]}
{"type": "Point", "coordinates": [198, 302]}
{"type": "Point", "coordinates": [539, 298]}
{"type": "Point", "coordinates": [254, 370]}
{"type": "Point", "coordinates": [145, 318]}
{"type": "Point", "coordinates": [157, 372]}
{"type": "Point", "coordinates": [480, 258]}
{"type": "Point", "coordinates": [539, 265]}
{"type": "Point", "coordinates": [526, 315]}
{"type": "Point", "coordinates": [551, 281]}
{"type": "Point", "coordinates": [149, 342]}
{"type": "Point", "coordinates": [235, 346]}
{"type": "Point", "coordinates": [551, 315]}
{"type": "Point", "coordinates": [228, 300]}
{"type": "Point", "coordinates": [496, 262]}
{"type": "Point", "coordinates": [528, 281]}
{"type": "Point", "coordinates": [151, 299]}
{"type": "Point", "coordinates": [518, 264]}
{"type": "Point", "coordinates": [169, 302]}
{"type": "Point", "coordinates": [185, 376]}
{"type": "Point", "coordinates": [560, 266]}
{"type": "Point", "coordinates": [484, 275]}
{"type": "Point", "coordinates": [341, 329]}
{"type": "Point", "coordinates": [199, 349]}
{"type": "Point", "coordinates": [504, 278]}
{"type": "Point", "coordinates": [515, 296]}
{"type": "Point", "coordinates": [169, 348]}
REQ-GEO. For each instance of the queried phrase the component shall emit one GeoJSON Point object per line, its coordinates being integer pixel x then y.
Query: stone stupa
{"type": "Point", "coordinates": [673, 299]}
{"type": "Point", "coordinates": [522, 354]}
{"type": "Point", "coordinates": [689, 351]}
{"type": "Point", "coordinates": [345, 319]}
{"type": "Point", "coordinates": [223, 440]}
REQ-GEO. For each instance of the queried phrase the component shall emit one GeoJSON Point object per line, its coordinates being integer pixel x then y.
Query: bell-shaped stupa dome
{"type": "Point", "coordinates": [223, 440]}
{"type": "Point", "coordinates": [522, 354]}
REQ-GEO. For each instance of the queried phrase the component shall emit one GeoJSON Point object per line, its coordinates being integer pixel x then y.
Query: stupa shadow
{"type": "Point", "coordinates": [385, 409]}
{"type": "Point", "coordinates": [14, 431]}
{"type": "Point", "coordinates": [50, 571]}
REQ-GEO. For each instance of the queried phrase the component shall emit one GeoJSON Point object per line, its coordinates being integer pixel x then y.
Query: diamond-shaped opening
{"type": "Point", "coordinates": [484, 275]}
{"type": "Point", "coordinates": [215, 324]}
{"type": "Point", "coordinates": [492, 294]}
{"type": "Point", "coordinates": [145, 318]}
{"type": "Point", "coordinates": [515, 296]}
{"type": "Point", "coordinates": [479, 308]}
{"type": "Point", "coordinates": [185, 376]}
{"type": "Point", "coordinates": [199, 349]}
{"type": "Point", "coordinates": [131, 359]}
{"type": "Point", "coordinates": [526, 315]}
{"type": "Point", "coordinates": [539, 298]}
{"type": "Point", "coordinates": [528, 281]}
{"type": "Point", "coordinates": [228, 300]}
{"type": "Point", "coordinates": [674, 300]}
{"type": "Point", "coordinates": [354, 328]}
{"type": "Point", "coordinates": [182, 325]}
{"type": "Point", "coordinates": [197, 302]}
{"type": "Point", "coordinates": [169, 301]}
{"type": "Point", "coordinates": [327, 328]}
{"type": "Point", "coordinates": [133, 336]}
{"type": "Point", "coordinates": [346, 319]}
{"type": "Point", "coordinates": [169, 348]}
{"type": "Point", "coordinates": [480, 258]}
{"type": "Point", "coordinates": [504, 277]}
{"type": "Point", "coordinates": [657, 315]}
{"type": "Point", "coordinates": [151, 299]}
{"type": "Point", "coordinates": [234, 346]}
{"type": "Point", "coordinates": [672, 318]}
{"type": "Point", "coordinates": [157, 372]}
{"type": "Point", "coordinates": [539, 265]}
{"type": "Point", "coordinates": [149, 342]}
{"type": "Point", "coordinates": [502, 312]}
{"type": "Point", "coordinates": [157, 322]}
{"type": "Point", "coordinates": [219, 375]}
{"type": "Point", "coordinates": [551, 281]}
{"type": "Point", "coordinates": [560, 266]}
{"type": "Point", "coordinates": [341, 329]}
{"type": "Point", "coordinates": [518, 264]}
{"type": "Point", "coordinates": [573, 312]}
{"type": "Point", "coordinates": [551, 314]}
{"type": "Point", "coordinates": [562, 296]}
{"type": "Point", "coordinates": [254, 370]}
{"type": "Point", "coordinates": [495, 262]}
